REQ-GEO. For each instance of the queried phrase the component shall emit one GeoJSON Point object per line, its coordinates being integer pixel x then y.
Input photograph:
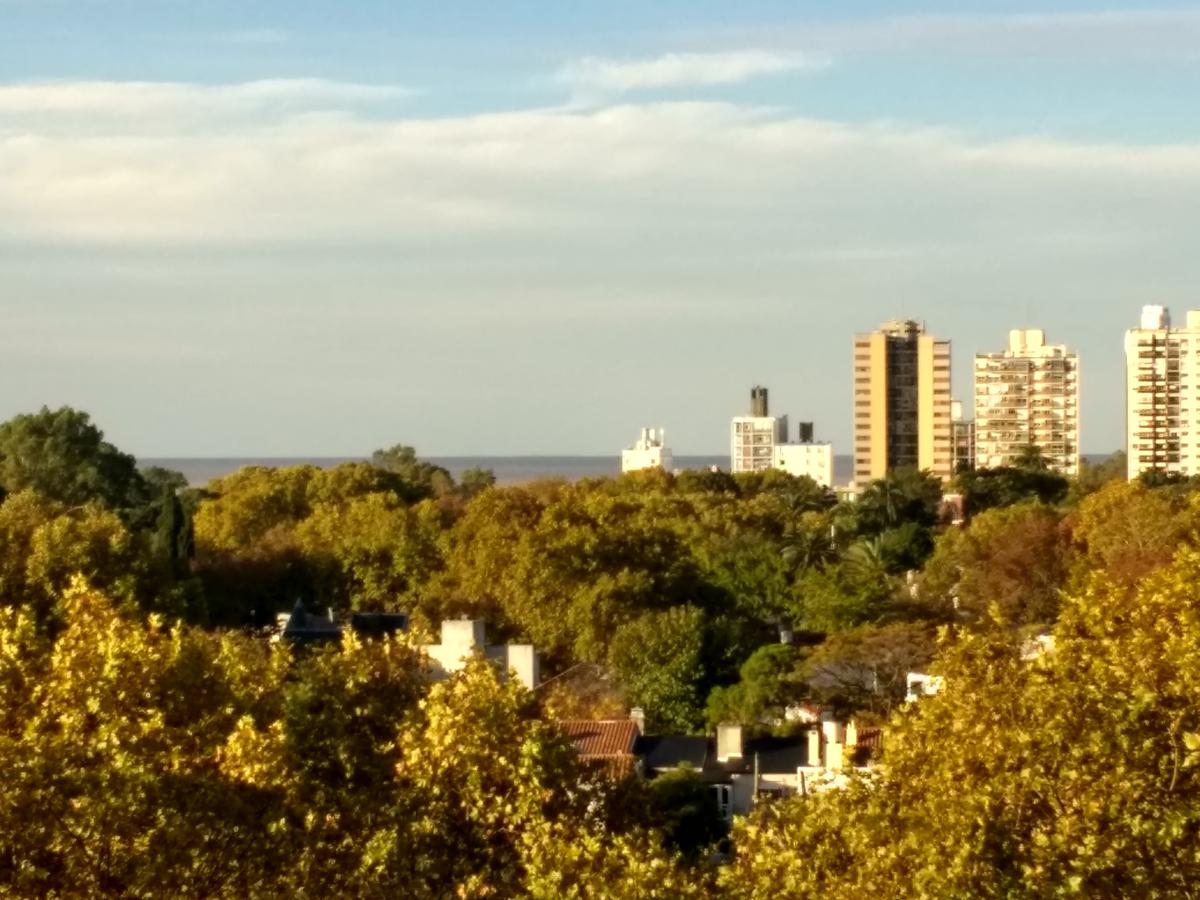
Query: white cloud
{"type": "Point", "coordinates": [562, 254]}
{"type": "Point", "coordinates": [679, 70]}
{"type": "Point", "coordinates": [67, 107]}
{"type": "Point", "coordinates": [696, 178]}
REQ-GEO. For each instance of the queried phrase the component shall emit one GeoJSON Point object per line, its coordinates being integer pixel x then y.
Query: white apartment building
{"type": "Point", "coordinates": [753, 440]}
{"type": "Point", "coordinates": [650, 451]}
{"type": "Point", "coordinates": [812, 459]}
{"type": "Point", "coordinates": [1162, 406]}
{"type": "Point", "coordinates": [759, 441]}
{"type": "Point", "coordinates": [1027, 394]}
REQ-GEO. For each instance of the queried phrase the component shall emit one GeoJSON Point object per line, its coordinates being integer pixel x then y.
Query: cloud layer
{"type": "Point", "coordinates": [121, 107]}
{"type": "Point", "coordinates": [292, 161]}
{"type": "Point", "coordinates": [624, 264]}
{"type": "Point", "coordinates": [674, 70]}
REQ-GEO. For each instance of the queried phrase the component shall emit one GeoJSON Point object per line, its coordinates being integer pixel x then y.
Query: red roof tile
{"type": "Point", "coordinates": [603, 739]}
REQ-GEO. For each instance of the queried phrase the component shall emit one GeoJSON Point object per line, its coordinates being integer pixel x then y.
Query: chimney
{"type": "Point", "coordinates": [758, 401]}
{"type": "Point", "coordinates": [805, 433]}
{"type": "Point", "coordinates": [638, 716]}
{"type": "Point", "coordinates": [834, 756]}
{"type": "Point", "coordinates": [729, 742]}
{"type": "Point", "coordinates": [835, 731]}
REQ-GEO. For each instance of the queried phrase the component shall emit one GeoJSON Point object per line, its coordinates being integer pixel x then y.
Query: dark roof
{"type": "Point", "coordinates": [302, 625]}
{"type": "Point", "coordinates": [776, 755]}
{"type": "Point", "coordinates": [378, 624]}
{"type": "Point", "coordinates": [305, 626]}
{"type": "Point", "coordinates": [669, 751]}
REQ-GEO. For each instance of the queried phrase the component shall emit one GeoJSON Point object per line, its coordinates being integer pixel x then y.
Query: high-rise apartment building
{"type": "Point", "coordinates": [901, 401]}
{"type": "Point", "coordinates": [752, 438]}
{"type": "Point", "coordinates": [1027, 395]}
{"type": "Point", "coordinates": [1162, 406]}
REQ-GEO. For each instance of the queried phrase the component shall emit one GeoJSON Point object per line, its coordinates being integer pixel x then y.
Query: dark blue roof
{"type": "Point", "coordinates": [669, 751]}
{"type": "Point", "coordinates": [776, 755]}
{"type": "Point", "coordinates": [378, 624]}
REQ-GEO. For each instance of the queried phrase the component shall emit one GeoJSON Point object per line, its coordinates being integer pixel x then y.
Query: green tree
{"type": "Point", "coordinates": [61, 455]}
{"type": "Point", "coordinates": [984, 489]}
{"type": "Point", "coordinates": [767, 684]}
{"type": "Point", "coordinates": [1072, 773]}
{"type": "Point", "coordinates": [903, 496]}
{"type": "Point", "coordinates": [158, 479]}
{"type": "Point", "coordinates": [419, 479]}
{"type": "Point", "coordinates": [685, 809]}
{"type": "Point", "coordinates": [657, 658]}
{"type": "Point", "coordinates": [1015, 560]}
{"type": "Point", "coordinates": [43, 544]}
{"type": "Point", "coordinates": [866, 669]}
{"type": "Point", "coordinates": [843, 596]}
{"type": "Point", "coordinates": [369, 554]}
{"type": "Point", "coordinates": [1128, 529]}
{"type": "Point", "coordinates": [1093, 476]}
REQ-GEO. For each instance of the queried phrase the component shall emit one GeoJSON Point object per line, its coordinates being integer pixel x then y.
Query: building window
{"type": "Point", "coordinates": [724, 794]}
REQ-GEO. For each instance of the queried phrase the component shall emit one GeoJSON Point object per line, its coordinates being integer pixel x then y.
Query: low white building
{"type": "Point", "coordinates": [811, 459]}
{"type": "Point", "coordinates": [650, 451]}
{"type": "Point", "coordinates": [461, 638]}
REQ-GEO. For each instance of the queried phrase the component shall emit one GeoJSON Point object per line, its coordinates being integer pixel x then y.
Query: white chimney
{"type": "Point", "coordinates": [729, 742]}
{"type": "Point", "coordinates": [814, 746]}
{"type": "Point", "coordinates": [638, 716]}
{"type": "Point", "coordinates": [835, 731]}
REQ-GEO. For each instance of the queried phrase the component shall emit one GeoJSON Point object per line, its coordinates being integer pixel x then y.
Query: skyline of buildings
{"type": "Point", "coordinates": [1026, 395]}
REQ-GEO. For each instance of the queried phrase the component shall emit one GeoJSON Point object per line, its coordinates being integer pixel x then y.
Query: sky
{"type": "Point", "coordinates": [317, 228]}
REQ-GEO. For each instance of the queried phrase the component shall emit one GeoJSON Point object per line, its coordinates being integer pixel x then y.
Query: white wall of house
{"type": "Point", "coordinates": [461, 638]}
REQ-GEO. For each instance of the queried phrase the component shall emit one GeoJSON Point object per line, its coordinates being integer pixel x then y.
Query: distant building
{"type": "Point", "coordinates": [759, 442]}
{"type": "Point", "coordinates": [648, 452]}
{"type": "Point", "coordinates": [304, 627]}
{"type": "Point", "coordinates": [1162, 406]}
{"type": "Point", "coordinates": [1027, 395]}
{"type": "Point", "coordinates": [462, 638]}
{"type": "Point", "coordinates": [962, 438]}
{"type": "Point", "coordinates": [811, 459]}
{"type": "Point", "coordinates": [740, 770]}
{"type": "Point", "coordinates": [752, 438]}
{"type": "Point", "coordinates": [901, 401]}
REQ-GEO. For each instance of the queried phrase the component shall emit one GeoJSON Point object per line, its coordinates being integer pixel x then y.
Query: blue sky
{"type": "Point", "coordinates": [318, 228]}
